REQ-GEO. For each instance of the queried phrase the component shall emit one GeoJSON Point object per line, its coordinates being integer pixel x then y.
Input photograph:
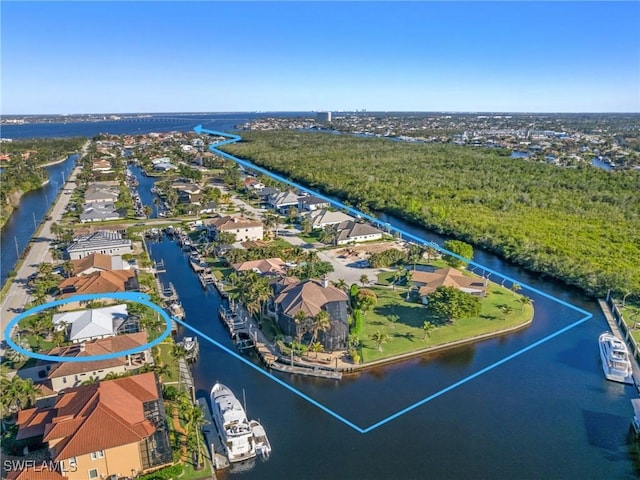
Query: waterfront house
{"type": "Point", "coordinates": [97, 262]}
{"type": "Point", "coordinates": [103, 192]}
{"type": "Point", "coordinates": [83, 325]}
{"type": "Point", "coordinates": [265, 193]}
{"type": "Point", "coordinates": [99, 212]}
{"type": "Point", "coordinates": [251, 184]}
{"type": "Point", "coordinates": [267, 266]}
{"type": "Point", "coordinates": [354, 232]}
{"type": "Point", "coordinates": [111, 429]}
{"type": "Point", "coordinates": [311, 297]}
{"type": "Point", "coordinates": [427, 282]}
{"type": "Point", "coordinates": [163, 164]}
{"type": "Point", "coordinates": [283, 201]}
{"type": "Point", "coordinates": [244, 229]}
{"type": "Point", "coordinates": [310, 203]}
{"type": "Point", "coordinates": [60, 375]}
{"type": "Point", "coordinates": [103, 281]}
{"type": "Point", "coordinates": [102, 241]}
{"type": "Point", "coordinates": [101, 166]}
{"type": "Point", "coordinates": [325, 218]}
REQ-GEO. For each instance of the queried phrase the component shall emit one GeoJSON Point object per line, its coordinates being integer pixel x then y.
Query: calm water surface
{"type": "Point", "coordinates": [548, 413]}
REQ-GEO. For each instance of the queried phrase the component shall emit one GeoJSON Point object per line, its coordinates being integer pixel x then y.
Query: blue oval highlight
{"type": "Point", "coordinates": [136, 297]}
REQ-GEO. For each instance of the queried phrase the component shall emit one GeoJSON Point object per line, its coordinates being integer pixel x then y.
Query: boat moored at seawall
{"type": "Point", "coordinates": [615, 359]}
{"type": "Point", "coordinates": [232, 424]}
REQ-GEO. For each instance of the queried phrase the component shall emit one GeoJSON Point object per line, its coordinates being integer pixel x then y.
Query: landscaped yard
{"type": "Point", "coordinates": [407, 333]}
{"type": "Point", "coordinates": [164, 349]}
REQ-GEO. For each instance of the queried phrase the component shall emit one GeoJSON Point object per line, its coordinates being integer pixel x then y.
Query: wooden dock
{"type": "Point", "coordinates": [216, 450]}
{"type": "Point", "coordinates": [617, 331]}
{"type": "Point", "coordinates": [307, 371]}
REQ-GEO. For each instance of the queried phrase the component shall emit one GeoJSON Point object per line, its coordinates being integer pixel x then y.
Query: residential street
{"type": "Point", "coordinates": [17, 296]}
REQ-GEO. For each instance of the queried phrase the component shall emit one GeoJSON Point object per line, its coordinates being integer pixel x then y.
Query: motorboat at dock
{"type": "Point", "coordinates": [615, 359]}
{"type": "Point", "coordinates": [232, 424]}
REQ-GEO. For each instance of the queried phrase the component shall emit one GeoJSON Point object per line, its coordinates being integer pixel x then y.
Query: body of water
{"type": "Point", "coordinates": [22, 224]}
{"type": "Point", "coordinates": [547, 413]}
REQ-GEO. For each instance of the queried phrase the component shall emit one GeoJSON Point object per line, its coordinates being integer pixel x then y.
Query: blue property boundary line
{"type": "Point", "coordinates": [587, 316]}
{"type": "Point", "coordinates": [136, 297]}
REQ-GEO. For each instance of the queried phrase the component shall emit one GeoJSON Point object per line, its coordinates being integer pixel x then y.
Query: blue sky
{"type": "Point", "coordinates": [83, 57]}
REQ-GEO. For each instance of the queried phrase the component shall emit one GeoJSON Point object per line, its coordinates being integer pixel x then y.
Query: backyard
{"type": "Point", "coordinates": [501, 309]}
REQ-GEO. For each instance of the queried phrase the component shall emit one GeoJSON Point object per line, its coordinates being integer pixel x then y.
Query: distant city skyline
{"type": "Point", "coordinates": [163, 57]}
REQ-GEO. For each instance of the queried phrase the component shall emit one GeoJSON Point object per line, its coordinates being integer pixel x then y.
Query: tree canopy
{"type": "Point", "coordinates": [581, 225]}
{"type": "Point", "coordinates": [452, 304]}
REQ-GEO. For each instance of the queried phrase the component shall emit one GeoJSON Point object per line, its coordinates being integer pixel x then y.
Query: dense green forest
{"type": "Point", "coordinates": [580, 225]}
{"type": "Point", "coordinates": [22, 169]}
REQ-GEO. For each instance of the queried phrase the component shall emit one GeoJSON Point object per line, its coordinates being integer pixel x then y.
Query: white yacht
{"type": "Point", "coordinates": [232, 424]}
{"type": "Point", "coordinates": [615, 359]}
{"type": "Point", "coordinates": [263, 446]}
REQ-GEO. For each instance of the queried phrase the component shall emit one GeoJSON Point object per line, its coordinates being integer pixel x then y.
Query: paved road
{"type": "Point", "coordinates": [17, 296]}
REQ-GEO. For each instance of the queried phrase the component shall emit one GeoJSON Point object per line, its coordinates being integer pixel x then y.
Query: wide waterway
{"type": "Point", "coordinates": [548, 413]}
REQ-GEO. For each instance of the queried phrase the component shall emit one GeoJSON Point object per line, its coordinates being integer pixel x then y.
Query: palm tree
{"type": "Point", "coordinates": [524, 300]}
{"type": "Point", "coordinates": [299, 318]}
{"type": "Point", "coordinates": [67, 268]}
{"type": "Point", "coordinates": [427, 327]}
{"type": "Point", "coordinates": [379, 338]}
{"type": "Point", "coordinates": [364, 279]}
{"type": "Point", "coordinates": [393, 319]}
{"type": "Point", "coordinates": [321, 322]}
{"type": "Point", "coordinates": [341, 284]}
{"type": "Point", "coordinates": [515, 287]}
{"type": "Point", "coordinates": [316, 347]}
{"type": "Point", "coordinates": [58, 337]}
{"type": "Point", "coordinates": [506, 310]}
{"type": "Point", "coordinates": [195, 420]}
{"type": "Point", "coordinates": [147, 210]}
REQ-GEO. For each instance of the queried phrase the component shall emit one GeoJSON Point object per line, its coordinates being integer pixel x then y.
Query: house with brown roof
{"type": "Point", "coordinates": [114, 428]}
{"type": "Point", "coordinates": [101, 281]}
{"type": "Point", "coordinates": [243, 228]}
{"type": "Point", "coordinates": [310, 297]}
{"type": "Point", "coordinates": [97, 262]}
{"type": "Point", "coordinates": [61, 375]}
{"type": "Point", "coordinates": [267, 266]}
{"type": "Point", "coordinates": [427, 282]}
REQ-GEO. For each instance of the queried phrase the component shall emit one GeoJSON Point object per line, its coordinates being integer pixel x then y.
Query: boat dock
{"type": "Point", "coordinates": [617, 330]}
{"type": "Point", "coordinates": [216, 450]}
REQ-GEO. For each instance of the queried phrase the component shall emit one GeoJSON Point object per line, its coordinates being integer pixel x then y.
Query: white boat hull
{"type": "Point", "coordinates": [615, 359]}
{"type": "Point", "coordinates": [232, 424]}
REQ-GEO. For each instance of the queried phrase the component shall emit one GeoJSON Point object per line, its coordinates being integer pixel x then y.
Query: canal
{"type": "Point", "coordinates": [25, 219]}
{"type": "Point", "coordinates": [546, 413]}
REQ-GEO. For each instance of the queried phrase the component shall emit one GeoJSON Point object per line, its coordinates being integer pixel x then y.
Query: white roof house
{"type": "Point", "coordinates": [324, 218]}
{"type": "Point", "coordinates": [89, 324]}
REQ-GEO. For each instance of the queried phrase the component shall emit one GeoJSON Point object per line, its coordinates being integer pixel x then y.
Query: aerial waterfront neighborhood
{"type": "Point", "coordinates": [305, 287]}
{"type": "Point", "coordinates": [302, 283]}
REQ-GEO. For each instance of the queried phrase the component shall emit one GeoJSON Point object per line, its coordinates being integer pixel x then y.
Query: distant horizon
{"type": "Point", "coordinates": [455, 112]}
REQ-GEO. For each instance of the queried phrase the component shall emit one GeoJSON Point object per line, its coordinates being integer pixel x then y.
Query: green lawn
{"type": "Point", "coordinates": [407, 335]}
{"type": "Point", "coordinates": [165, 349]}
{"type": "Point", "coordinates": [219, 267]}
{"type": "Point", "coordinates": [631, 315]}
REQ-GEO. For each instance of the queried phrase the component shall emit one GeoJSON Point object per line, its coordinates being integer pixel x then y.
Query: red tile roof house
{"type": "Point", "coordinates": [61, 375]}
{"type": "Point", "coordinates": [112, 428]}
